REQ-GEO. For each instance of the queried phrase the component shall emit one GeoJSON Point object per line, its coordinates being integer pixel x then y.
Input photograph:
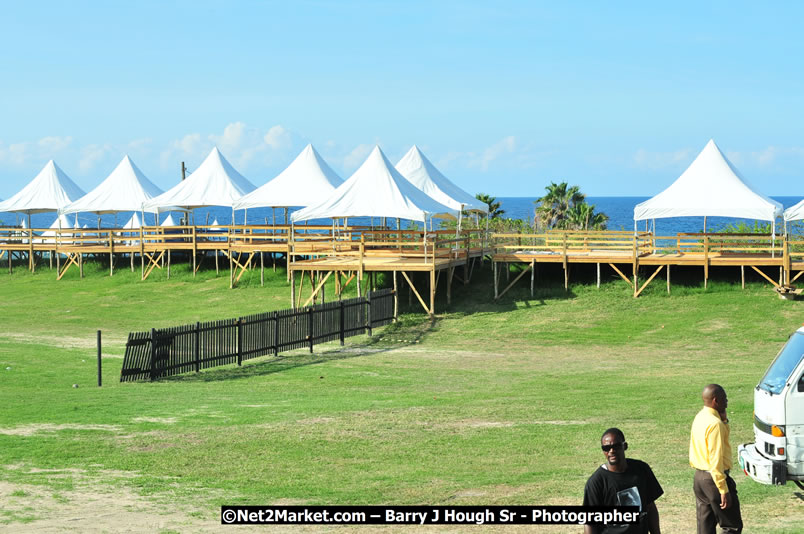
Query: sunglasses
{"type": "Point", "coordinates": [615, 446]}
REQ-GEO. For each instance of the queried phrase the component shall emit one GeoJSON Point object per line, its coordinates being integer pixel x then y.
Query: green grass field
{"type": "Point", "coordinates": [493, 403]}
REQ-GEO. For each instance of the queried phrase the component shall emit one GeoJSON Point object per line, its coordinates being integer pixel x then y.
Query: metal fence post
{"type": "Point", "coordinates": [368, 313]}
{"type": "Point", "coordinates": [240, 341]}
{"type": "Point", "coordinates": [276, 333]}
{"type": "Point", "coordinates": [310, 326]}
{"type": "Point", "coordinates": [197, 347]}
{"type": "Point", "coordinates": [153, 353]}
{"type": "Point", "coordinates": [343, 323]}
{"type": "Point", "coordinates": [99, 358]}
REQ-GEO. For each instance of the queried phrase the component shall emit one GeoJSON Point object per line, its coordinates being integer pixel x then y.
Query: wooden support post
{"type": "Point", "coordinates": [31, 262]}
{"type": "Point", "coordinates": [566, 276]}
{"type": "Point", "coordinates": [131, 259]}
{"type": "Point", "coordinates": [49, 257]}
{"type": "Point", "coordinates": [742, 275]}
{"type": "Point", "coordinates": [217, 269]}
{"type": "Point", "coordinates": [781, 275]}
{"type": "Point", "coordinates": [168, 264]}
{"type": "Point", "coordinates": [293, 289]}
{"type": "Point", "coordinates": [195, 250]}
{"type": "Point", "coordinates": [111, 253]}
{"type": "Point", "coordinates": [450, 270]}
{"type": "Point", "coordinates": [262, 270]}
{"type": "Point", "coordinates": [142, 254]}
{"type": "Point", "coordinates": [598, 275]}
{"type": "Point", "coordinates": [80, 265]}
{"type": "Point", "coordinates": [532, 276]}
{"type": "Point", "coordinates": [494, 275]}
{"type": "Point", "coordinates": [706, 260]}
{"type": "Point", "coordinates": [432, 291]}
{"type": "Point", "coordinates": [668, 278]}
{"type": "Point", "coordinates": [231, 269]}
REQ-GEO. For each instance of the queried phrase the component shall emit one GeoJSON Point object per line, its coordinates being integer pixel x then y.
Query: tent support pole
{"type": "Point", "coordinates": [168, 264]}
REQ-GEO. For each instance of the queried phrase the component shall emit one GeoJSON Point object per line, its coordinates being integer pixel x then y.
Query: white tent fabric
{"type": "Point", "coordinates": [305, 182]}
{"type": "Point", "coordinates": [125, 189]}
{"type": "Point", "coordinates": [214, 183]}
{"type": "Point", "coordinates": [168, 221]}
{"type": "Point", "coordinates": [711, 186]}
{"type": "Point", "coordinates": [61, 222]}
{"type": "Point", "coordinates": [50, 190]}
{"type": "Point", "coordinates": [134, 223]}
{"type": "Point", "coordinates": [794, 213]}
{"type": "Point", "coordinates": [423, 174]}
{"type": "Point", "coordinates": [376, 189]}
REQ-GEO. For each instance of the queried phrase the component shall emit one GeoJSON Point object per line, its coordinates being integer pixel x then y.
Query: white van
{"type": "Point", "coordinates": [778, 453]}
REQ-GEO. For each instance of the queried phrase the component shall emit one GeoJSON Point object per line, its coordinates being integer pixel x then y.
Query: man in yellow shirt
{"type": "Point", "coordinates": [710, 455]}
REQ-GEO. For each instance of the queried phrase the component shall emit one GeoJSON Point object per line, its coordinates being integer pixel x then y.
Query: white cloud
{"type": "Point", "coordinates": [241, 144]}
{"type": "Point", "coordinates": [507, 145]}
{"type": "Point", "coordinates": [354, 158]}
{"type": "Point", "coordinates": [645, 159]}
{"type": "Point", "coordinates": [53, 144]}
{"type": "Point", "coordinates": [91, 155]}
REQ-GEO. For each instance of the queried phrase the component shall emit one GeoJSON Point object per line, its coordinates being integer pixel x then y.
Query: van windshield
{"type": "Point", "coordinates": [784, 365]}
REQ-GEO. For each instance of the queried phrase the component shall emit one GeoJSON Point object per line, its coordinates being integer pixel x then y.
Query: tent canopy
{"type": "Point", "coordinates": [125, 189]}
{"type": "Point", "coordinates": [214, 183]}
{"type": "Point", "coordinates": [423, 174]}
{"type": "Point", "coordinates": [50, 190]}
{"type": "Point", "coordinates": [794, 213]}
{"type": "Point", "coordinates": [711, 186]}
{"type": "Point", "coordinates": [305, 182]}
{"type": "Point", "coordinates": [376, 189]}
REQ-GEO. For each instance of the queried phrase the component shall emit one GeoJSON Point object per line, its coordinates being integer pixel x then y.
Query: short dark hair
{"type": "Point", "coordinates": [614, 431]}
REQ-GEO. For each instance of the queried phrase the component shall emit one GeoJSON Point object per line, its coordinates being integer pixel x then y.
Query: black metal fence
{"type": "Point", "coordinates": [182, 349]}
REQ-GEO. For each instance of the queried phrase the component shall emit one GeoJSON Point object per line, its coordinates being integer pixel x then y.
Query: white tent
{"type": "Point", "coordinates": [711, 186]}
{"type": "Point", "coordinates": [423, 174]}
{"type": "Point", "coordinates": [168, 221]}
{"type": "Point", "coordinates": [376, 189]}
{"type": "Point", "coordinates": [794, 213]}
{"type": "Point", "coordinates": [214, 183]}
{"type": "Point", "coordinates": [134, 223]}
{"type": "Point", "coordinates": [50, 190]}
{"type": "Point", "coordinates": [305, 182]}
{"type": "Point", "coordinates": [125, 189]}
{"type": "Point", "coordinates": [61, 222]}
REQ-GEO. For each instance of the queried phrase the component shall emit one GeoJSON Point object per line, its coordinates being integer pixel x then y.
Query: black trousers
{"type": "Point", "coordinates": [707, 505]}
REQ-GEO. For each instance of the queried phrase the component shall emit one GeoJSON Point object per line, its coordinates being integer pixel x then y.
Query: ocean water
{"type": "Point", "coordinates": [619, 209]}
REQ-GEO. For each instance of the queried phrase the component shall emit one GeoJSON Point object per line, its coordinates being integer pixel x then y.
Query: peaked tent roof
{"type": "Point", "coordinates": [711, 186]}
{"type": "Point", "coordinates": [376, 189]}
{"type": "Point", "coordinates": [168, 221]}
{"type": "Point", "coordinates": [133, 223]}
{"type": "Point", "coordinates": [305, 182]}
{"type": "Point", "coordinates": [423, 174]}
{"type": "Point", "coordinates": [125, 189]}
{"type": "Point", "coordinates": [794, 213]}
{"type": "Point", "coordinates": [214, 183]}
{"type": "Point", "coordinates": [50, 190]}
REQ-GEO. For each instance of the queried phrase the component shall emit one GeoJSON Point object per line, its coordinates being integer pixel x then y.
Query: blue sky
{"type": "Point", "coordinates": [503, 98]}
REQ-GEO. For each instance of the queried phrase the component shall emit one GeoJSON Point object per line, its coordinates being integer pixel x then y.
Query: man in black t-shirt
{"type": "Point", "coordinates": [621, 482]}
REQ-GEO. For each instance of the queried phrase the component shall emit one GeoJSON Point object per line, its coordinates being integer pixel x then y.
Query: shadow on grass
{"type": "Point", "coordinates": [267, 365]}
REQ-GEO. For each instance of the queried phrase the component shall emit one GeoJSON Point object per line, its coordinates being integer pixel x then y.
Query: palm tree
{"type": "Point", "coordinates": [553, 208]}
{"type": "Point", "coordinates": [582, 216]}
{"type": "Point", "coordinates": [494, 206]}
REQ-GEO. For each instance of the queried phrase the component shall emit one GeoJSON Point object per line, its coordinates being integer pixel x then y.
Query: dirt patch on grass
{"type": "Point", "coordinates": [163, 420]}
{"type": "Point", "coordinates": [34, 429]}
{"type": "Point", "coordinates": [31, 508]}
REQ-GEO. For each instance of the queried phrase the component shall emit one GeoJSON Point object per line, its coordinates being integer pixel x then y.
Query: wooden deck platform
{"type": "Point", "coordinates": [624, 251]}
